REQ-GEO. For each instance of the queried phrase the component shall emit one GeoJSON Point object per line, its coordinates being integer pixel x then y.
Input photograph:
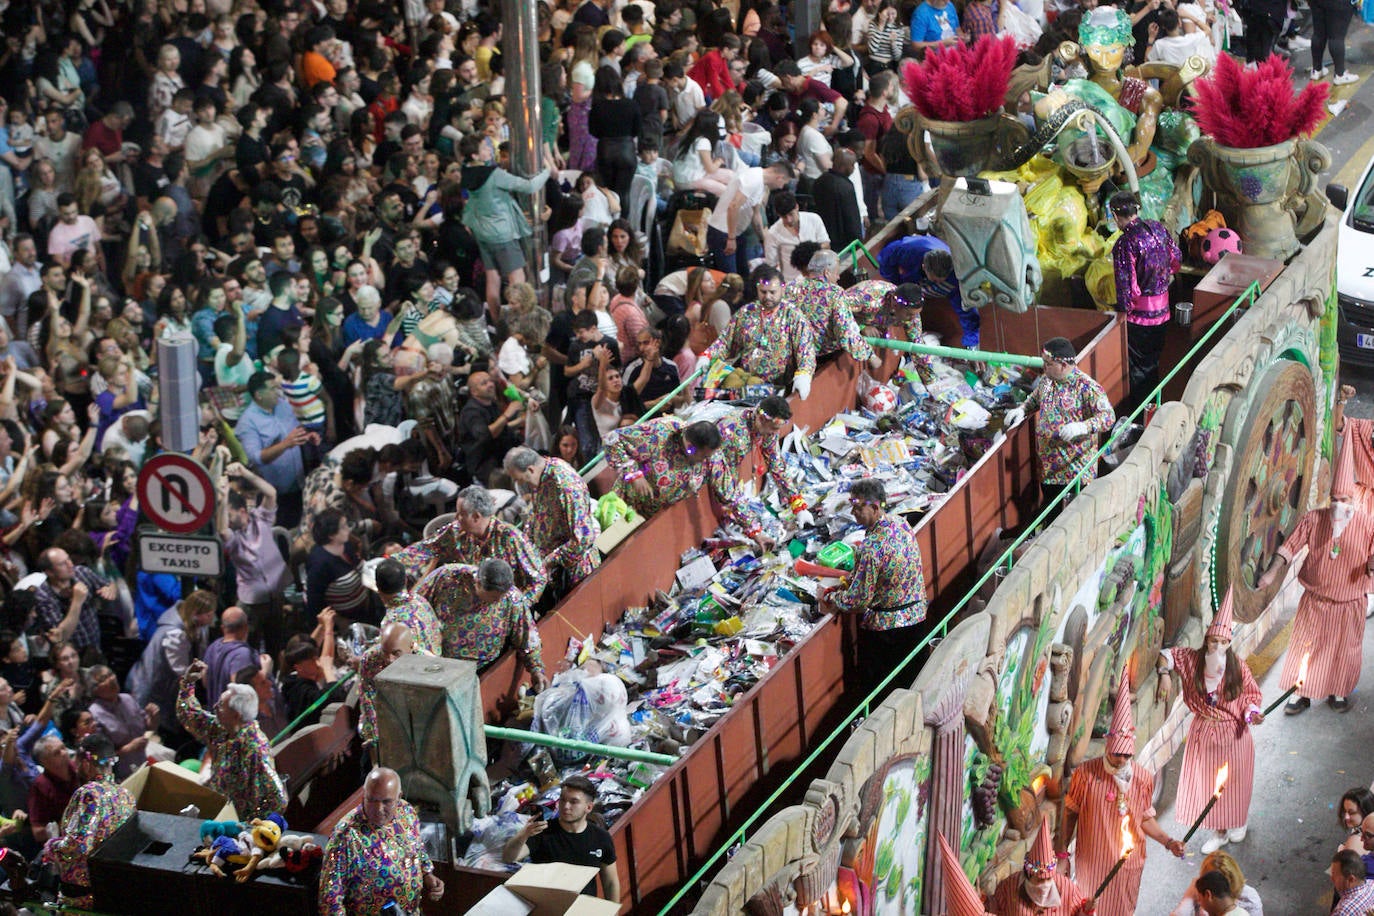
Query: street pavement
{"type": "Point", "coordinates": [1303, 763]}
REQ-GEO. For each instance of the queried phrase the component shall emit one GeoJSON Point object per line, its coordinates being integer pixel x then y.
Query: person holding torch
{"type": "Point", "coordinates": [1326, 652]}
{"type": "Point", "coordinates": [1224, 698]}
{"type": "Point", "coordinates": [1110, 810]}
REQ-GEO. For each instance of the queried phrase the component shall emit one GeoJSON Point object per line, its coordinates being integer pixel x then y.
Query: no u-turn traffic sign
{"type": "Point", "coordinates": [176, 493]}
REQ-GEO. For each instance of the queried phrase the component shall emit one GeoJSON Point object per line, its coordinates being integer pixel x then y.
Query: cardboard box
{"type": "Point", "coordinates": [166, 788]}
{"type": "Point", "coordinates": [618, 531]}
{"type": "Point", "coordinates": [552, 889]}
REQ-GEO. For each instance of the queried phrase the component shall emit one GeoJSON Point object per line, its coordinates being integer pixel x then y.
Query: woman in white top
{"type": "Point", "coordinates": [816, 152]}
{"type": "Point", "coordinates": [600, 206]}
{"type": "Point", "coordinates": [615, 404]}
{"type": "Point", "coordinates": [696, 165]}
{"type": "Point", "coordinates": [824, 58]}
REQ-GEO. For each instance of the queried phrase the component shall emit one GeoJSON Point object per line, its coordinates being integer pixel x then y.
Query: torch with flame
{"type": "Point", "coordinates": [1223, 773]}
{"type": "Point", "coordinates": [1302, 677]}
{"type": "Point", "coordinates": [1127, 847]}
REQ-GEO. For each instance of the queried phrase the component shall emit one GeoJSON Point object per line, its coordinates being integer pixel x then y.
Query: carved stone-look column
{"type": "Point", "coordinates": [947, 777]}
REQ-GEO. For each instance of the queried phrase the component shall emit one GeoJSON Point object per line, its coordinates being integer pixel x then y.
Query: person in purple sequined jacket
{"type": "Point", "coordinates": [1145, 259]}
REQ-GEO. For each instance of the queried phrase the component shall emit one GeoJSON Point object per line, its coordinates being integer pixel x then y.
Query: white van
{"type": "Point", "coordinates": [1355, 269]}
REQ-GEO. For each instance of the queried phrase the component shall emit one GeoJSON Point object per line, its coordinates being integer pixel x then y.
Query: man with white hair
{"type": "Point", "coordinates": [370, 321]}
{"type": "Point", "coordinates": [484, 615]}
{"type": "Point", "coordinates": [476, 534]}
{"type": "Point", "coordinates": [375, 857]}
{"type": "Point", "coordinates": [244, 772]}
{"type": "Point", "coordinates": [820, 299]}
{"type": "Point", "coordinates": [560, 522]}
{"type": "Point", "coordinates": [52, 790]}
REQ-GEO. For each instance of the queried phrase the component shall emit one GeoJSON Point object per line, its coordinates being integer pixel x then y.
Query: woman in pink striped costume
{"type": "Point", "coordinates": [1224, 699]}
{"type": "Point", "coordinates": [1328, 629]}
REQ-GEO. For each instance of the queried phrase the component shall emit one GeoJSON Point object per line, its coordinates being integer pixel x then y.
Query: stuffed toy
{"type": "Point", "coordinates": [295, 854]}
{"type": "Point", "coordinates": [255, 841]}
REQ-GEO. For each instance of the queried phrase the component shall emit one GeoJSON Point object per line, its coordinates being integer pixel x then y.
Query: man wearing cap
{"type": "Point", "coordinates": [1041, 889]}
{"type": "Point", "coordinates": [817, 296]}
{"type": "Point", "coordinates": [1102, 792]}
{"type": "Point", "coordinates": [888, 585]}
{"type": "Point", "coordinates": [560, 523]}
{"type": "Point", "coordinates": [660, 461]}
{"type": "Point", "coordinates": [769, 338]}
{"type": "Point", "coordinates": [1225, 701]}
{"type": "Point", "coordinates": [483, 615]}
{"type": "Point", "coordinates": [753, 435]}
{"type": "Point", "coordinates": [1144, 260]}
{"type": "Point", "coordinates": [1328, 630]}
{"type": "Point", "coordinates": [1073, 409]}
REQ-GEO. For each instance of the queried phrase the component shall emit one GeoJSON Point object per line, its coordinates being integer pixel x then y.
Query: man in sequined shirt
{"type": "Point", "coordinates": [816, 294]}
{"type": "Point", "coordinates": [560, 523]}
{"type": "Point", "coordinates": [483, 615]}
{"type": "Point", "coordinates": [660, 461]}
{"type": "Point", "coordinates": [753, 435]}
{"type": "Point", "coordinates": [1144, 260]}
{"type": "Point", "coordinates": [396, 640]}
{"type": "Point", "coordinates": [769, 338]}
{"type": "Point", "coordinates": [474, 535]}
{"type": "Point", "coordinates": [887, 587]}
{"type": "Point", "coordinates": [244, 772]}
{"type": "Point", "coordinates": [376, 857]}
{"type": "Point", "coordinates": [97, 810]}
{"type": "Point", "coordinates": [406, 607]}
{"type": "Point", "coordinates": [1073, 410]}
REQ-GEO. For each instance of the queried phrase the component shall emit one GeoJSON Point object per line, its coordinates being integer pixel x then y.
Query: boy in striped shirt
{"type": "Point", "coordinates": [303, 391]}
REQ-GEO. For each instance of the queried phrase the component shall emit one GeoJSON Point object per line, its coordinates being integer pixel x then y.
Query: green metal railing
{"type": "Point", "coordinates": [649, 414]}
{"type": "Point", "coordinates": [975, 356]}
{"type": "Point", "coordinates": [1003, 565]}
{"type": "Point", "coordinates": [319, 702]}
{"type": "Point", "coordinates": [572, 744]}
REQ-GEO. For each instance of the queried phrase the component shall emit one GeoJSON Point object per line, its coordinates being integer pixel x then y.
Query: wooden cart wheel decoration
{"type": "Point", "coordinates": [1276, 448]}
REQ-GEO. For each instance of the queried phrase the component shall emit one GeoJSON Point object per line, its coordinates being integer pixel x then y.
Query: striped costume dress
{"type": "Point", "coordinates": [1217, 735]}
{"type": "Point", "coordinates": [1099, 801]}
{"type": "Point", "coordinates": [1329, 625]}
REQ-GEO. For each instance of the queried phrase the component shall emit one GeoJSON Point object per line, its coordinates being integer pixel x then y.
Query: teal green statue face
{"type": "Point", "coordinates": [1105, 34]}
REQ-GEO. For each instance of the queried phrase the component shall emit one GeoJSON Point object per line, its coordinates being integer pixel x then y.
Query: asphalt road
{"type": "Point", "coordinates": [1303, 763]}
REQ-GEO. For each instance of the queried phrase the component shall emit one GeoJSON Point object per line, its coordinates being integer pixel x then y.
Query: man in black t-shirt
{"type": "Point", "coordinates": [570, 838]}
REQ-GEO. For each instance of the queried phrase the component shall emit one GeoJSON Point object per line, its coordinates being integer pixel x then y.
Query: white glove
{"type": "Point", "coordinates": [805, 519]}
{"type": "Point", "coordinates": [1013, 417]}
{"type": "Point", "coordinates": [702, 363]}
{"type": "Point", "coordinates": [1071, 431]}
{"type": "Point", "coordinates": [875, 362]}
{"type": "Point", "coordinates": [801, 386]}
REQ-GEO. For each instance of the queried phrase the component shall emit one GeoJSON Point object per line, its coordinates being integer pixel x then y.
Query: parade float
{"type": "Point", "coordinates": [979, 746]}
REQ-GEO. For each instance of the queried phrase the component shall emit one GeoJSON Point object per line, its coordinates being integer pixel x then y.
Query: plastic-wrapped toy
{"type": "Point", "coordinates": [254, 841]}
{"type": "Point", "coordinates": [295, 854]}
